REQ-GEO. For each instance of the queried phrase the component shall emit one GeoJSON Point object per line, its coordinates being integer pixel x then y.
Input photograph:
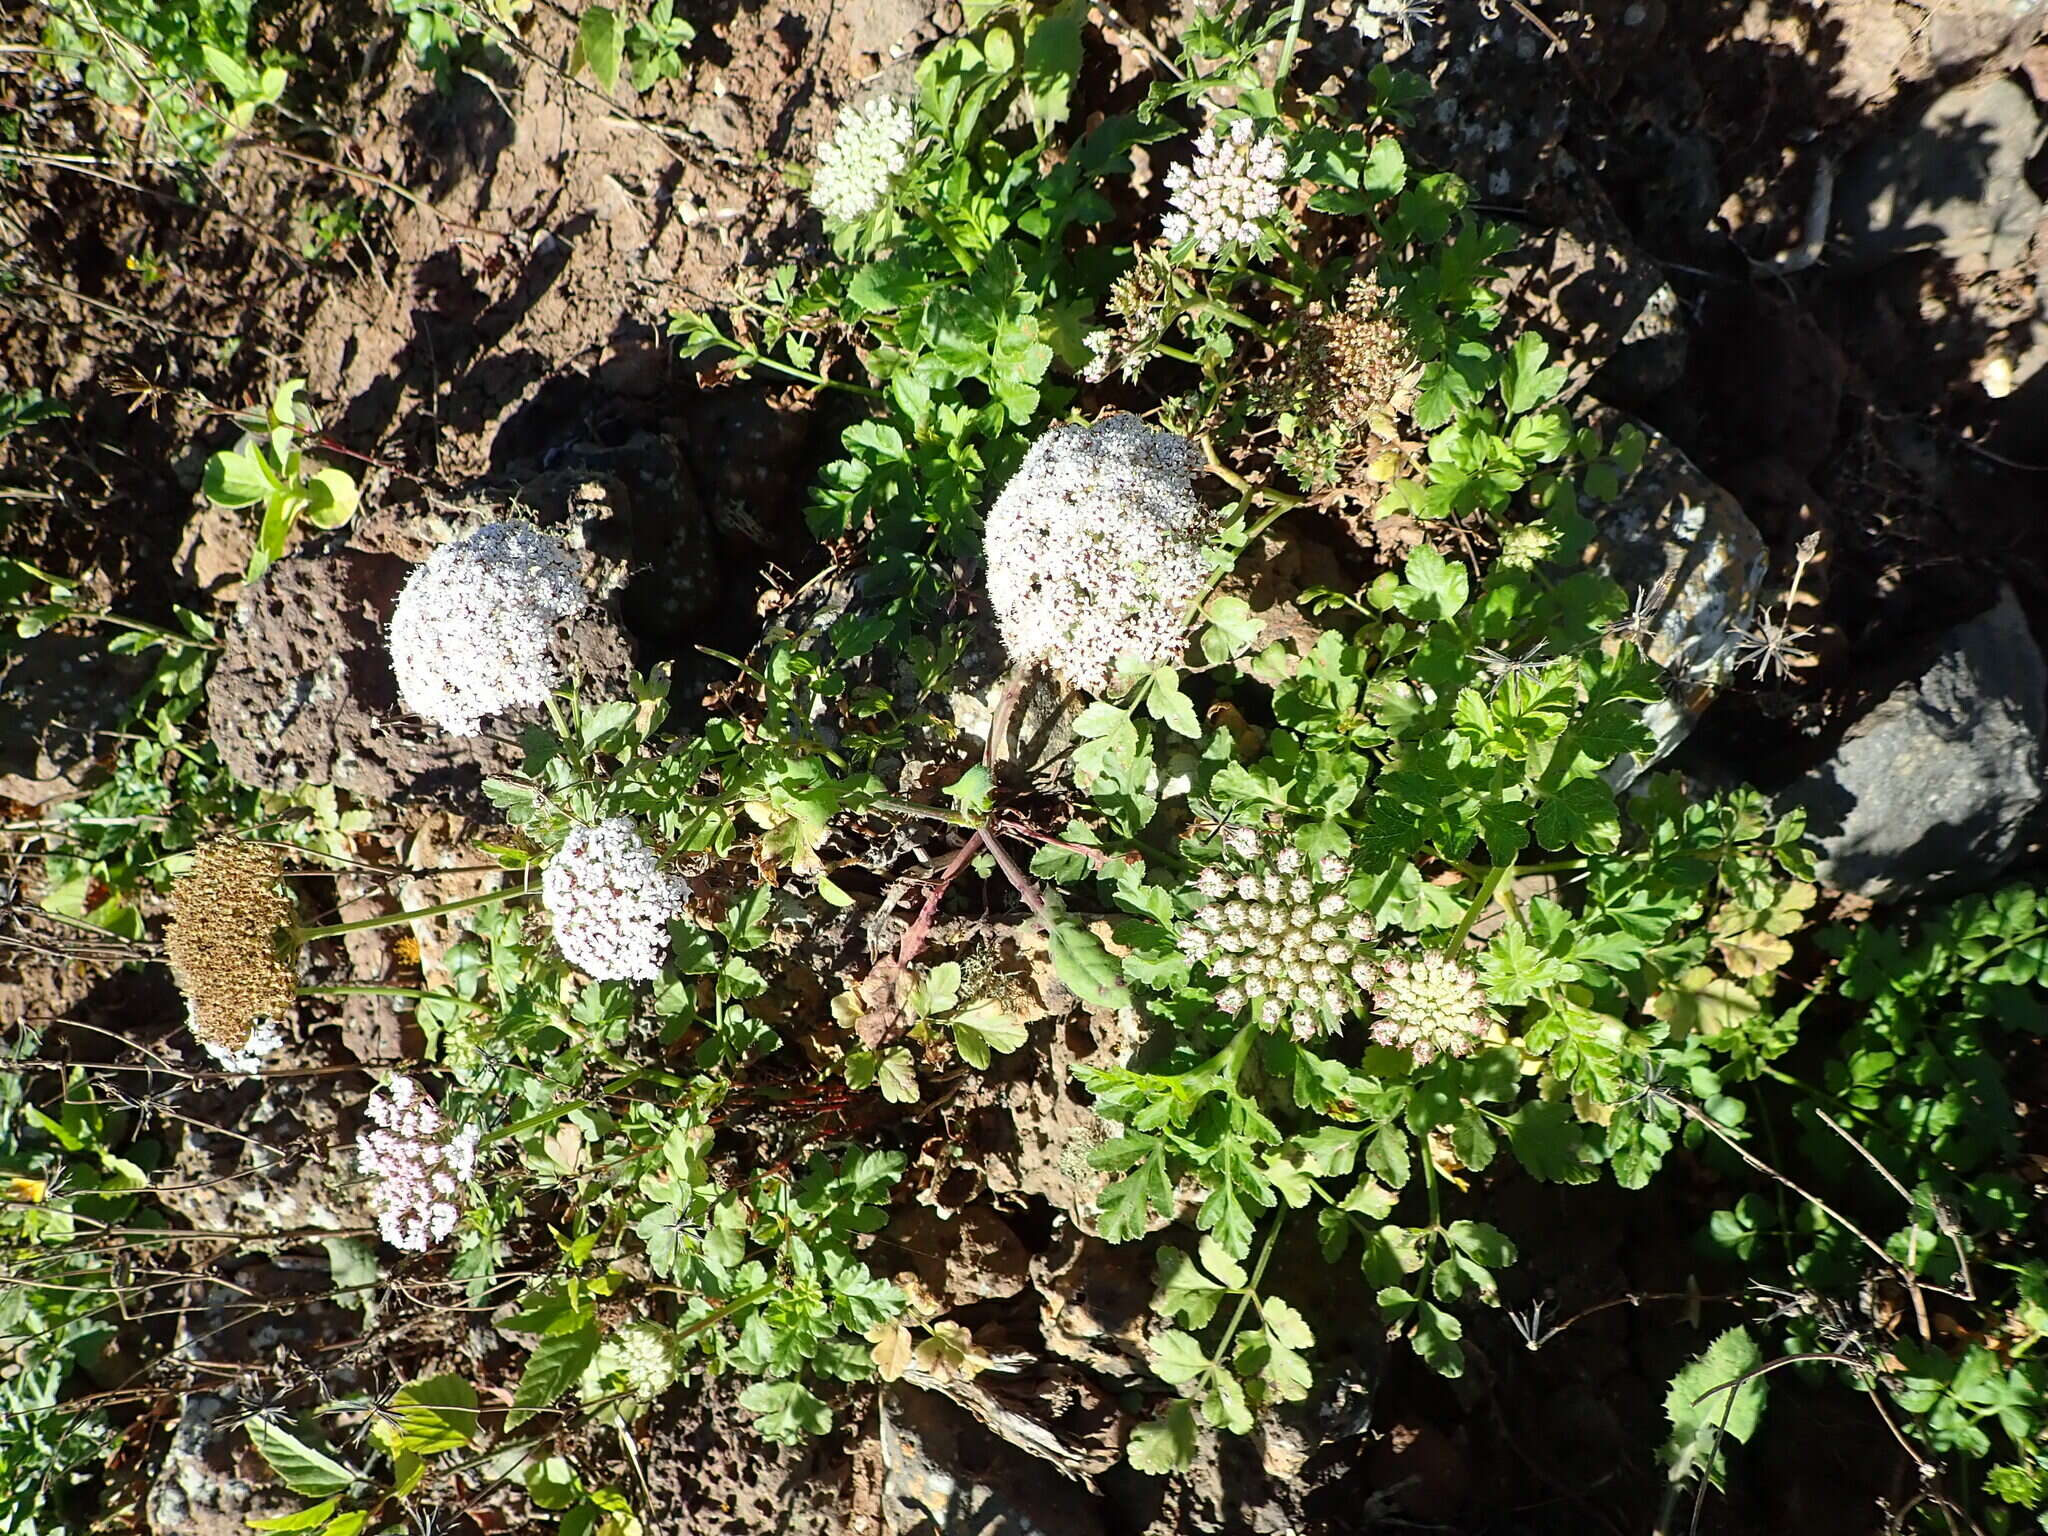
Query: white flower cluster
{"type": "Point", "coordinates": [1285, 938]}
{"type": "Point", "coordinates": [858, 167]}
{"type": "Point", "coordinates": [420, 1165]}
{"type": "Point", "coordinates": [265, 1038]}
{"type": "Point", "coordinates": [638, 1361]}
{"type": "Point", "coordinates": [1430, 1004]}
{"type": "Point", "coordinates": [1375, 18]}
{"type": "Point", "coordinates": [470, 634]}
{"type": "Point", "coordinates": [611, 902]}
{"type": "Point", "coordinates": [1234, 185]}
{"type": "Point", "coordinates": [1095, 549]}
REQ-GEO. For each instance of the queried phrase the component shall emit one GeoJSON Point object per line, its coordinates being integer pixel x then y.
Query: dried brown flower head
{"type": "Point", "coordinates": [227, 938]}
{"type": "Point", "coordinates": [1347, 366]}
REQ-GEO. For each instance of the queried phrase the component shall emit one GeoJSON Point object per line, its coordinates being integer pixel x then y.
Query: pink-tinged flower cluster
{"type": "Point", "coordinates": [1284, 937]}
{"type": "Point", "coordinates": [1427, 1003]}
{"type": "Point", "coordinates": [418, 1164]}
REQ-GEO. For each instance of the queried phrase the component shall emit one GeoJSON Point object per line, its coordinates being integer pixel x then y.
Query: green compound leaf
{"type": "Point", "coordinates": [787, 1412]}
{"type": "Point", "coordinates": [1551, 1144]}
{"type": "Point", "coordinates": [1581, 815]}
{"type": "Point", "coordinates": [1165, 1444]}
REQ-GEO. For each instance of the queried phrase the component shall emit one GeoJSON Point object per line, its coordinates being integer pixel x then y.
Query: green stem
{"type": "Point", "coordinates": [139, 626]}
{"type": "Point", "coordinates": [931, 812]}
{"type": "Point", "coordinates": [1286, 64]}
{"type": "Point", "coordinates": [790, 370]}
{"type": "Point", "coordinates": [1282, 500]}
{"type": "Point", "coordinates": [1244, 1297]}
{"type": "Point", "coordinates": [393, 919]}
{"type": "Point", "coordinates": [420, 994]}
{"type": "Point", "coordinates": [1554, 867]}
{"type": "Point", "coordinates": [1481, 900]}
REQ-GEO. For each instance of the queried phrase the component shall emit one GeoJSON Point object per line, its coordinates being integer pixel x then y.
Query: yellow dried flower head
{"type": "Point", "coordinates": [226, 938]}
{"type": "Point", "coordinates": [1346, 367]}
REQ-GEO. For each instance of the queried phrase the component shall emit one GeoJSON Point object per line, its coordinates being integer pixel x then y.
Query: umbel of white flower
{"type": "Point", "coordinates": [1095, 550]}
{"type": "Point", "coordinates": [857, 169]}
{"type": "Point", "coordinates": [1283, 935]}
{"type": "Point", "coordinates": [611, 902]}
{"type": "Point", "coordinates": [418, 1164]}
{"type": "Point", "coordinates": [1430, 1004]}
{"type": "Point", "coordinates": [632, 1367]}
{"type": "Point", "coordinates": [1234, 185]}
{"type": "Point", "coordinates": [470, 634]}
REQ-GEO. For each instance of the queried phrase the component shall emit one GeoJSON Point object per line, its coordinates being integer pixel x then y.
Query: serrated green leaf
{"type": "Point", "coordinates": [435, 1414]}
{"type": "Point", "coordinates": [1164, 1444]}
{"type": "Point", "coordinates": [556, 1364]}
{"type": "Point", "coordinates": [301, 1466]}
{"type": "Point", "coordinates": [1083, 966]}
{"type": "Point", "coordinates": [1705, 1402]}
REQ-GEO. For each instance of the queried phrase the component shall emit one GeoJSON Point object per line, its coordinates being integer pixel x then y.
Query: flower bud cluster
{"type": "Point", "coordinates": [611, 902]}
{"type": "Point", "coordinates": [1283, 935]}
{"type": "Point", "coordinates": [638, 1362]}
{"type": "Point", "coordinates": [1224, 198]}
{"type": "Point", "coordinates": [1097, 548]}
{"type": "Point", "coordinates": [858, 167]}
{"type": "Point", "coordinates": [420, 1166]}
{"type": "Point", "coordinates": [1428, 1003]}
{"type": "Point", "coordinates": [470, 634]}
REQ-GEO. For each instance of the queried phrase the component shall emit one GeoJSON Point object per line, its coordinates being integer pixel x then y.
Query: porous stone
{"type": "Point", "coordinates": [1951, 179]}
{"type": "Point", "coordinates": [1929, 793]}
{"type": "Point", "coordinates": [1680, 544]}
{"type": "Point", "coordinates": [303, 691]}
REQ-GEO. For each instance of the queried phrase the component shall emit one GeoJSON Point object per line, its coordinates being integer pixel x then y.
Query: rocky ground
{"type": "Point", "coordinates": [1803, 241]}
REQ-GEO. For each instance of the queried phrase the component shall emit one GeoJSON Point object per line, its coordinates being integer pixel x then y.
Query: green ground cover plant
{"type": "Point", "coordinates": [1378, 884]}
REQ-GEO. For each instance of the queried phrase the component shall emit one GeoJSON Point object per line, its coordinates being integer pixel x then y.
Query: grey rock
{"type": "Point", "coordinates": [1929, 793]}
{"type": "Point", "coordinates": [1965, 32]}
{"type": "Point", "coordinates": [1951, 179]}
{"type": "Point", "coordinates": [1680, 545]}
{"type": "Point", "coordinates": [942, 1473]}
{"type": "Point", "coordinates": [206, 1486]}
{"type": "Point", "coordinates": [59, 697]}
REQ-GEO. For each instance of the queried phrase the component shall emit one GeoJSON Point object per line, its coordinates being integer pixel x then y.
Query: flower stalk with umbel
{"type": "Point", "coordinates": [419, 1165]}
{"type": "Point", "coordinates": [469, 637]}
{"type": "Point", "coordinates": [232, 940]}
